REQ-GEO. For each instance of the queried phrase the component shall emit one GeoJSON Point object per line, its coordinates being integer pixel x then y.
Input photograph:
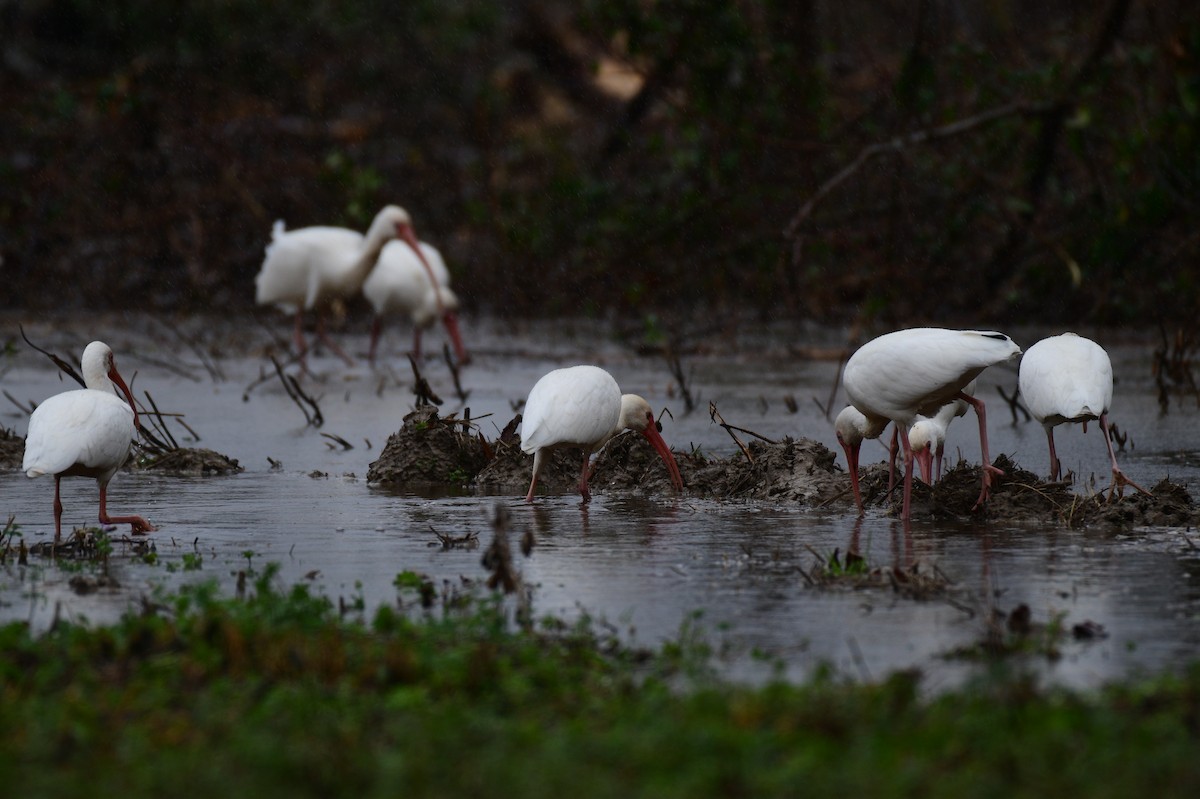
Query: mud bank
{"type": "Point", "coordinates": [431, 450]}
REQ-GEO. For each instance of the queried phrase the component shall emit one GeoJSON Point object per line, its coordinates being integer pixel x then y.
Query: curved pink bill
{"type": "Point", "coordinates": [924, 459]}
{"type": "Point", "coordinates": [406, 233]}
{"type": "Point", "coordinates": [664, 452]}
{"type": "Point", "coordinates": [115, 376]}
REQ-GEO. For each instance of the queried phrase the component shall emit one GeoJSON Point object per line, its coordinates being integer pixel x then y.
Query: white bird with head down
{"type": "Point", "coordinates": [1068, 379]}
{"type": "Point", "coordinates": [400, 284]}
{"type": "Point", "coordinates": [85, 433]}
{"type": "Point", "coordinates": [309, 268]}
{"type": "Point", "coordinates": [907, 373]}
{"type": "Point", "coordinates": [927, 436]}
{"type": "Point", "coordinates": [582, 406]}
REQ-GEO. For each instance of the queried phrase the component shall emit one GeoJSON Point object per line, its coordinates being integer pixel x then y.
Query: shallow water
{"type": "Point", "coordinates": [651, 565]}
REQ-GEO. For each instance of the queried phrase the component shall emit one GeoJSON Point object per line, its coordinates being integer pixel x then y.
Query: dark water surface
{"type": "Point", "coordinates": [650, 565]}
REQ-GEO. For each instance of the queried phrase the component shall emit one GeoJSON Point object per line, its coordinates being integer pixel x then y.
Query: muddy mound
{"type": "Point", "coordinates": [510, 469]}
{"type": "Point", "coordinates": [791, 470]}
{"type": "Point", "coordinates": [428, 449]}
{"type": "Point", "coordinates": [188, 462]}
{"type": "Point", "coordinates": [1021, 497]}
{"type": "Point", "coordinates": [12, 449]}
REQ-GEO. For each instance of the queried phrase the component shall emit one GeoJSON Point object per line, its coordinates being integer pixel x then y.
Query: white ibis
{"type": "Point", "coordinates": [309, 268]}
{"type": "Point", "coordinates": [85, 433]}
{"type": "Point", "coordinates": [582, 406]}
{"type": "Point", "coordinates": [852, 428]}
{"type": "Point", "coordinates": [907, 373]}
{"type": "Point", "coordinates": [399, 283]}
{"type": "Point", "coordinates": [927, 436]}
{"type": "Point", "coordinates": [1068, 379]}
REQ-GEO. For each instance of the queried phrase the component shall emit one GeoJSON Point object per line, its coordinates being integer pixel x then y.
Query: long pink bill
{"type": "Point", "coordinates": [115, 376]}
{"type": "Point", "coordinates": [406, 233]}
{"type": "Point", "coordinates": [664, 452]}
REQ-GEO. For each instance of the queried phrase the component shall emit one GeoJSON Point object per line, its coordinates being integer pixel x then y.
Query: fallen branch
{"type": "Point", "coordinates": [59, 362]}
{"type": "Point", "coordinates": [715, 415]}
{"type": "Point", "coordinates": [292, 386]}
{"type": "Point", "coordinates": [895, 145]}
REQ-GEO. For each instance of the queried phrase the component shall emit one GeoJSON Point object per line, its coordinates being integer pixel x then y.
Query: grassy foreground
{"type": "Point", "coordinates": [276, 695]}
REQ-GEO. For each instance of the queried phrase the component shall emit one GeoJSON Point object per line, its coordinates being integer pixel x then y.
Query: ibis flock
{"type": "Point", "coordinates": [917, 380]}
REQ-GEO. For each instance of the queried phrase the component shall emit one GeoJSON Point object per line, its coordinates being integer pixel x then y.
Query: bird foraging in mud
{"type": "Point", "coordinates": [307, 269]}
{"type": "Point", "coordinates": [927, 436]}
{"type": "Point", "coordinates": [582, 406]}
{"type": "Point", "coordinates": [1068, 379]}
{"type": "Point", "coordinates": [85, 433]}
{"type": "Point", "coordinates": [400, 284]}
{"type": "Point", "coordinates": [907, 373]}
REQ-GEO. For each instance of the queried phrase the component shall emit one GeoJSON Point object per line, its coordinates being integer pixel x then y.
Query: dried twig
{"type": "Point", "coordinates": [895, 145]}
{"type": "Point", "coordinates": [676, 367]}
{"type": "Point", "coordinates": [339, 440]}
{"type": "Point", "coordinates": [292, 386]}
{"type": "Point", "coordinates": [424, 392]}
{"type": "Point", "coordinates": [59, 362]}
{"type": "Point", "coordinates": [1014, 404]}
{"type": "Point", "coordinates": [462, 395]}
{"type": "Point", "coordinates": [715, 415]}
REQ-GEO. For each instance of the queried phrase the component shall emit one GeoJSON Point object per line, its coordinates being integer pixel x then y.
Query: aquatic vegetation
{"type": "Point", "coordinates": [276, 694]}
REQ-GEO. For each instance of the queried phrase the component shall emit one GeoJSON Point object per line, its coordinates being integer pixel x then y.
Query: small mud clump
{"type": "Point", "coordinates": [12, 449]}
{"type": "Point", "coordinates": [428, 449]}
{"type": "Point", "coordinates": [189, 462]}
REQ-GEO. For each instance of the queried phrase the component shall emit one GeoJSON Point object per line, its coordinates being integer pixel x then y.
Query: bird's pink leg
{"type": "Point", "coordinates": [908, 470]}
{"type": "Point", "coordinates": [57, 511]}
{"type": "Point", "coordinates": [537, 467]}
{"type": "Point", "coordinates": [416, 343]}
{"type": "Point", "coordinates": [376, 329]}
{"type": "Point", "coordinates": [852, 463]}
{"type": "Point", "coordinates": [328, 342]}
{"type": "Point", "coordinates": [583, 479]}
{"type": "Point", "coordinates": [1055, 466]}
{"type": "Point", "coordinates": [137, 523]}
{"type": "Point", "coordinates": [1119, 478]}
{"type": "Point", "coordinates": [988, 468]}
{"type": "Point", "coordinates": [301, 344]}
{"type": "Point", "coordinates": [892, 459]}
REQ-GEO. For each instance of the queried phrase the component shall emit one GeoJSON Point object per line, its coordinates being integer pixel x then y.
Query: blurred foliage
{"type": "Point", "coordinates": [612, 156]}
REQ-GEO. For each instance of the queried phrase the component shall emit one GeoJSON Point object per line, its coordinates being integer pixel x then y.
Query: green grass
{"type": "Point", "coordinates": [278, 695]}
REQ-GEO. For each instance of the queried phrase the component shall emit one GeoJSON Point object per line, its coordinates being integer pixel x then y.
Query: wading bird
{"type": "Point", "coordinates": [927, 436]}
{"type": "Point", "coordinates": [85, 433]}
{"type": "Point", "coordinates": [307, 269]}
{"type": "Point", "coordinates": [1068, 379]}
{"type": "Point", "coordinates": [400, 284]}
{"type": "Point", "coordinates": [907, 373]}
{"type": "Point", "coordinates": [582, 406]}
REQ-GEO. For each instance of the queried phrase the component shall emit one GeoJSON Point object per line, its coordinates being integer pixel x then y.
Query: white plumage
{"type": "Point", "coordinates": [308, 268]}
{"type": "Point", "coordinates": [907, 373]}
{"type": "Point", "coordinates": [1068, 379]}
{"type": "Point", "coordinates": [85, 433]}
{"type": "Point", "coordinates": [400, 284]}
{"type": "Point", "coordinates": [927, 436]}
{"type": "Point", "coordinates": [582, 406]}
